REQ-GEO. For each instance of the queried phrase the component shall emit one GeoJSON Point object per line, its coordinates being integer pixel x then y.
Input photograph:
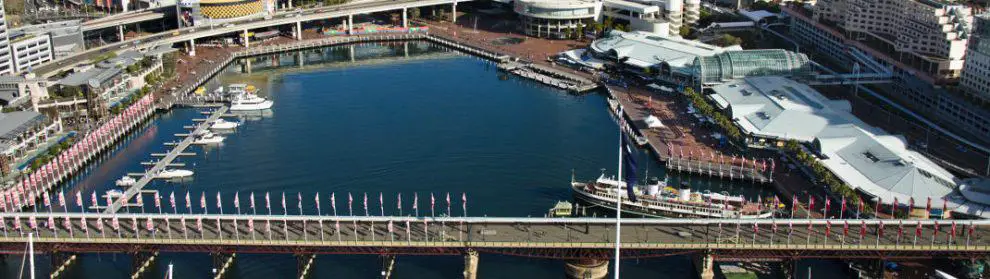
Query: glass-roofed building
{"type": "Point", "coordinates": [738, 64]}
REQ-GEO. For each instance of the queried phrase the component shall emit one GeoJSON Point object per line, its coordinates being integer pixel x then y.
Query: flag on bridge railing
{"type": "Point", "coordinates": [199, 224]}
{"type": "Point", "coordinates": [48, 202]}
{"type": "Point", "coordinates": [237, 200]}
{"type": "Point", "coordinates": [219, 202]}
{"type": "Point", "coordinates": [150, 225]}
{"type": "Point", "coordinates": [268, 202]}
{"type": "Point", "coordinates": [917, 230]}
{"type": "Point", "coordinates": [366, 204]}
{"type": "Point", "coordinates": [845, 229]}
{"type": "Point", "coordinates": [171, 199]}
{"type": "Point", "coordinates": [251, 225]}
{"type": "Point", "coordinates": [880, 229]}
{"type": "Point", "coordinates": [415, 205]}
{"type": "Point", "coordinates": [350, 202]}
{"type": "Point", "coordinates": [67, 223]}
{"type": "Point", "coordinates": [629, 162]}
{"type": "Point", "coordinates": [299, 198]}
{"type": "Point", "coordinates": [134, 226]}
{"type": "Point", "coordinates": [61, 199]}
{"type": "Point", "coordinates": [183, 222]}
{"type": "Point", "coordinates": [828, 228]}
{"type": "Point", "coordinates": [202, 200]}
{"type": "Point", "coordinates": [115, 223]}
{"type": "Point", "coordinates": [158, 201]}
{"type": "Point", "coordinates": [381, 203]}
{"type": "Point", "coordinates": [945, 208]}
{"type": "Point", "coordinates": [284, 207]}
{"type": "Point", "coordinates": [79, 199]}
{"type": "Point", "coordinates": [433, 202]}
{"type": "Point", "coordinates": [252, 200]}
{"type": "Point", "coordinates": [910, 206]}
{"type": "Point", "coordinates": [317, 200]}
{"type": "Point", "coordinates": [51, 222]}
{"type": "Point", "coordinates": [333, 203]}
{"type": "Point", "coordinates": [17, 222]}
{"type": "Point", "coordinates": [99, 224]}
{"type": "Point", "coordinates": [398, 203]}
{"type": "Point", "coordinates": [188, 201]}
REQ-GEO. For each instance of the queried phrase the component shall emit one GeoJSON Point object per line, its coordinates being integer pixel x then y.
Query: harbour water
{"type": "Point", "coordinates": [383, 118]}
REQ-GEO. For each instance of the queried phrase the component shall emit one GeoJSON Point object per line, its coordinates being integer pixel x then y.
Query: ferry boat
{"type": "Point", "coordinates": [659, 200]}
{"type": "Point", "coordinates": [125, 181]}
{"type": "Point", "coordinates": [221, 124]}
{"type": "Point", "coordinates": [208, 138]}
{"type": "Point", "coordinates": [173, 174]}
{"type": "Point", "coordinates": [243, 98]}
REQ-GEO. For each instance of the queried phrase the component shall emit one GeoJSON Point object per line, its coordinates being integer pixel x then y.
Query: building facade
{"type": "Point", "coordinates": [556, 19]}
{"type": "Point", "coordinates": [918, 90]}
{"type": "Point", "coordinates": [30, 50]}
{"type": "Point", "coordinates": [927, 35]}
{"type": "Point", "coordinates": [6, 61]}
{"type": "Point", "coordinates": [975, 78]}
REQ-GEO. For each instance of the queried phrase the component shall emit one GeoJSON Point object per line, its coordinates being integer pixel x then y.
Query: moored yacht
{"type": "Point", "coordinates": [243, 98]}
{"type": "Point", "coordinates": [173, 173]}
{"type": "Point", "coordinates": [125, 181]}
{"type": "Point", "coordinates": [208, 138]}
{"type": "Point", "coordinates": [221, 124]}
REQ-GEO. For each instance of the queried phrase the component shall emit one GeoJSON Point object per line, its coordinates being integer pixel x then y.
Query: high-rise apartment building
{"type": "Point", "coordinates": [976, 73]}
{"type": "Point", "coordinates": [927, 35]}
{"type": "Point", "coordinates": [6, 61]}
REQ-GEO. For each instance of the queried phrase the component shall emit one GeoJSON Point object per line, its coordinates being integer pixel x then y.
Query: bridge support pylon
{"type": "Point", "coordinates": [221, 263]}
{"type": "Point", "coordinates": [60, 262]}
{"type": "Point", "coordinates": [471, 264]}
{"type": "Point", "coordinates": [142, 262]}
{"type": "Point", "coordinates": [706, 265]}
{"type": "Point", "coordinates": [586, 269]}
{"type": "Point", "coordinates": [305, 265]}
{"type": "Point", "coordinates": [388, 265]}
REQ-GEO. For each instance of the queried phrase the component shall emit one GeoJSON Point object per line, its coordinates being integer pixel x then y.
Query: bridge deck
{"type": "Point", "coordinates": [320, 234]}
{"type": "Point", "coordinates": [164, 162]}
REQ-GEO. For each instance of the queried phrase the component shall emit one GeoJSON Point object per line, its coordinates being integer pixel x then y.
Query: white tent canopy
{"type": "Point", "coordinates": [653, 122]}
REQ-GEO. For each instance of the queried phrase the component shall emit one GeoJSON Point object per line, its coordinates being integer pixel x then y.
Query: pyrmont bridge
{"type": "Point", "coordinates": [562, 238]}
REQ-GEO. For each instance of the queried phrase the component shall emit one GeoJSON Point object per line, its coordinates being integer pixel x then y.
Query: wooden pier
{"type": "Point", "coordinates": [164, 162]}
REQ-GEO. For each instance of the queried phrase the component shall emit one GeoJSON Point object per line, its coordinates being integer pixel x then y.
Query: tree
{"type": "Point", "coordinates": [685, 31]}
{"type": "Point", "coordinates": [580, 30]}
{"type": "Point", "coordinates": [728, 40]}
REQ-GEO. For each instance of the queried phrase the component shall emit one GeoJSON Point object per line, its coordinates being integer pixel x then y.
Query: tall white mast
{"type": "Point", "coordinates": [31, 252]}
{"type": "Point", "coordinates": [618, 197]}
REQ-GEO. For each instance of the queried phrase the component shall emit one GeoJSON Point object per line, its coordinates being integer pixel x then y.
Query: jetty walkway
{"type": "Point", "coordinates": [164, 162]}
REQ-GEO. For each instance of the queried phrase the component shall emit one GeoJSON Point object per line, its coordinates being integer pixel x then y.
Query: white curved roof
{"type": "Point", "coordinates": [881, 166]}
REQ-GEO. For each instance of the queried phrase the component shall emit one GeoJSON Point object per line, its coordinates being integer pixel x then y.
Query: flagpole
{"type": "Point", "coordinates": [618, 199]}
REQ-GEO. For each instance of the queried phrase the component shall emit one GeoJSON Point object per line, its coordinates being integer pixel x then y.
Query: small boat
{"type": "Point", "coordinates": [173, 174]}
{"type": "Point", "coordinates": [221, 124]}
{"type": "Point", "coordinates": [208, 138]}
{"type": "Point", "coordinates": [126, 181]}
{"type": "Point", "coordinates": [114, 193]}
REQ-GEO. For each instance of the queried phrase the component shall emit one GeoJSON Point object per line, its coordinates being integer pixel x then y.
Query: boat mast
{"type": "Point", "coordinates": [618, 196]}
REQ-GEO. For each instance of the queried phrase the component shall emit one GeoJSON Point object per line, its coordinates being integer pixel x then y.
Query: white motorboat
{"type": "Point", "coordinates": [114, 193]}
{"type": "Point", "coordinates": [173, 174]}
{"type": "Point", "coordinates": [126, 181]}
{"type": "Point", "coordinates": [243, 98]}
{"type": "Point", "coordinates": [221, 124]}
{"type": "Point", "coordinates": [208, 138]}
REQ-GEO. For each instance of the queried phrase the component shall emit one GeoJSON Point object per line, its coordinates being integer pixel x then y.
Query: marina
{"type": "Point", "coordinates": [163, 163]}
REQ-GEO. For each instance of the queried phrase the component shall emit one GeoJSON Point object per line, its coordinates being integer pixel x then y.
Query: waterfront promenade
{"type": "Point", "coordinates": [40, 185]}
{"type": "Point", "coordinates": [536, 237]}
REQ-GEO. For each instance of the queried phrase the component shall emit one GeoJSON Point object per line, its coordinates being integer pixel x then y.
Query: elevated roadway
{"type": "Point", "coordinates": [122, 19]}
{"type": "Point", "coordinates": [564, 238]}
{"type": "Point", "coordinates": [192, 33]}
